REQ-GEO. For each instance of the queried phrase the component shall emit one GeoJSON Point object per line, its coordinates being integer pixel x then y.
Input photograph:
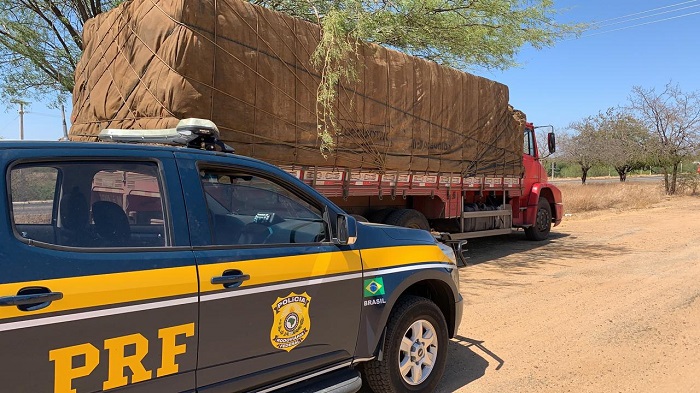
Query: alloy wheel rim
{"type": "Point", "coordinates": [418, 352]}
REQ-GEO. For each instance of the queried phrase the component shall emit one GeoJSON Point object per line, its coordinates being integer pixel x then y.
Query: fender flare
{"type": "Point", "coordinates": [550, 192]}
{"type": "Point", "coordinates": [428, 276]}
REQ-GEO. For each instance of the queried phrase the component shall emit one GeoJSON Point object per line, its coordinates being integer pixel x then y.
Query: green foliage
{"type": "Point", "coordinates": [40, 43]}
{"type": "Point", "coordinates": [334, 52]}
{"type": "Point", "coordinates": [459, 33]}
{"type": "Point", "coordinates": [33, 184]}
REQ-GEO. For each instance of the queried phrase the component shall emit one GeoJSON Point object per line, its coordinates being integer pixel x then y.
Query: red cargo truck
{"type": "Point", "coordinates": [459, 207]}
{"type": "Point", "coordinates": [414, 143]}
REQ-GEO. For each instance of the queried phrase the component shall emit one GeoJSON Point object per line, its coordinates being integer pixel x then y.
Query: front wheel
{"type": "Point", "coordinates": [543, 222]}
{"type": "Point", "coordinates": [415, 349]}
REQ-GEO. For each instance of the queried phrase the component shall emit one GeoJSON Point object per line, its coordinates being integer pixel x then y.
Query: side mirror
{"type": "Point", "coordinates": [551, 142]}
{"type": "Point", "coordinates": [346, 230]}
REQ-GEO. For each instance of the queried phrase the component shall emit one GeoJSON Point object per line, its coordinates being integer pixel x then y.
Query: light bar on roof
{"type": "Point", "coordinates": [186, 131]}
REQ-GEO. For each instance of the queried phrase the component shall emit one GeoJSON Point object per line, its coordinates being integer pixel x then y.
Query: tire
{"type": "Point", "coordinates": [359, 218]}
{"type": "Point", "coordinates": [379, 216]}
{"type": "Point", "coordinates": [408, 218]}
{"type": "Point", "coordinates": [416, 334]}
{"type": "Point", "coordinates": [543, 222]}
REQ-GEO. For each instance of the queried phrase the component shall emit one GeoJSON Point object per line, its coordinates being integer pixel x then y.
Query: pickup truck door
{"type": "Point", "coordinates": [95, 293]}
{"type": "Point", "coordinates": [278, 299]}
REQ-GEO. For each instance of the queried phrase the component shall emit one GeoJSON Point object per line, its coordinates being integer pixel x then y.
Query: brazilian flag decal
{"type": "Point", "coordinates": [374, 287]}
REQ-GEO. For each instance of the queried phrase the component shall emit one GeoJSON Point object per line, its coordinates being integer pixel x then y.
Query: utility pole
{"type": "Point", "coordinates": [21, 121]}
{"type": "Point", "coordinates": [65, 128]}
{"type": "Point", "coordinates": [21, 117]}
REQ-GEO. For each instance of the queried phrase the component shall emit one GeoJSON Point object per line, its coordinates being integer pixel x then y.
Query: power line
{"type": "Point", "coordinates": [642, 24]}
{"type": "Point", "coordinates": [647, 11]}
{"type": "Point", "coordinates": [597, 25]}
{"type": "Point", "coordinates": [43, 114]}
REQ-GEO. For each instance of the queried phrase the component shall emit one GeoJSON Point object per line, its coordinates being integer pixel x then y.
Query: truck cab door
{"type": "Point", "coordinates": [531, 161]}
{"type": "Point", "coordinates": [278, 299]}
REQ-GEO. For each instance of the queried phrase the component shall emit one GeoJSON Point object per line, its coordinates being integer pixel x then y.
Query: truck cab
{"type": "Point", "coordinates": [540, 206]}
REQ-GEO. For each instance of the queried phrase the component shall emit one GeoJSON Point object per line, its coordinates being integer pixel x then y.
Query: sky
{"type": "Point", "coordinates": [646, 43]}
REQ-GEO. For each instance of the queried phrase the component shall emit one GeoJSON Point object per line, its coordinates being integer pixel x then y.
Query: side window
{"type": "Point", "coordinates": [88, 204]}
{"type": "Point", "coordinates": [529, 146]}
{"type": "Point", "coordinates": [248, 209]}
{"type": "Point", "coordinates": [33, 191]}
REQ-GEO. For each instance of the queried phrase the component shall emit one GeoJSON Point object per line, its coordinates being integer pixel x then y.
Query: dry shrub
{"type": "Point", "coordinates": [601, 196]}
{"type": "Point", "coordinates": [689, 184]}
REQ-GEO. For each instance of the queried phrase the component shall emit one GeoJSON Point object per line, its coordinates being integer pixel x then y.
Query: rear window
{"type": "Point", "coordinates": [89, 204]}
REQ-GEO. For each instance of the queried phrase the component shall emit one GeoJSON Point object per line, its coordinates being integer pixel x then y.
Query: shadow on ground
{"type": "Point", "coordinates": [513, 255]}
{"type": "Point", "coordinates": [486, 249]}
{"type": "Point", "coordinates": [467, 361]}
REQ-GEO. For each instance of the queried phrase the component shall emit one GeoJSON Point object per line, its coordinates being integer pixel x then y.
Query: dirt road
{"type": "Point", "coordinates": [610, 304]}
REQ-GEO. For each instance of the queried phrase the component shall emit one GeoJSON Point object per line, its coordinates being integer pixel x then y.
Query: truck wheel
{"type": "Point", "coordinates": [359, 218]}
{"type": "Point", "coordinates": [543, 222]}
{"type": "Point", "coordinates": [408, 218]}
{"type": "Point", "coordinates": [379, 216]}
{"type": "Point", "coordinates": [415, 349]}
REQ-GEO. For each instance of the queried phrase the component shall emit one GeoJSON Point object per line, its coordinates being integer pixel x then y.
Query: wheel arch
{"type": "Point", "coordinates": [431, 284]}
{"type": "Point", "coordinates": [439, 293]}
{"type": "Point", "coordinates": [552, 194]}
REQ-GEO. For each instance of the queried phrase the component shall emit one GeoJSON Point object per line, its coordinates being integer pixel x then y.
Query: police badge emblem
{"type": "Point", "coordinates": [291, 321]}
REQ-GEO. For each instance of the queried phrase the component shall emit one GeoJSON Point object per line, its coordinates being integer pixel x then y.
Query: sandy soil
{"type": "Point", "coordinates": [610, 304]}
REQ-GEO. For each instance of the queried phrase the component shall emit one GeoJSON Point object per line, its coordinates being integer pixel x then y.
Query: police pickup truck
{"type": "Point", "coordinates": [144, 268]}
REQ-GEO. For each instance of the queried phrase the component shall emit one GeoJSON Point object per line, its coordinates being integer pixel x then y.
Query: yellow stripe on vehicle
{"type": "Point", "coordinates": [107, 289]}
{"type": "Point", "coordinates": [383, 257]}
{"type": "Point", "coordinates": [98, 291]}
{"type": "Point", "coordinates": [274, 270]}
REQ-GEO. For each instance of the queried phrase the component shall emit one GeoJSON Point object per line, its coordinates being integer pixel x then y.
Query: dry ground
{"type": "Point", "coordinates": [610, 304]}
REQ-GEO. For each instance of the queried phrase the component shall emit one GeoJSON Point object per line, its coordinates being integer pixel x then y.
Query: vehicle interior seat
{"type": "Point", "coordinates": [111, 224]}
{"type": "Point", "coordinates": [75, 219]}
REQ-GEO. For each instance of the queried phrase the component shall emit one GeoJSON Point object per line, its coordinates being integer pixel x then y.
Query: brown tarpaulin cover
{"type": "Point", "coordinates": [150, 63]}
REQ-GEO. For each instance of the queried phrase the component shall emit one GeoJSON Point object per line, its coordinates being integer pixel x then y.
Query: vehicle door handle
{"type": "Point", "coordinates": [230, 279]}
{"type": "Point", "coordinates": [34, 298]}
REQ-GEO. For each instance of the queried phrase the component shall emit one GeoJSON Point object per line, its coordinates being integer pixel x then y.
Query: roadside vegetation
{"type": "Point", "coordinates": [657, 128]}
{"type": "Point", "coordinates": [581, 198]}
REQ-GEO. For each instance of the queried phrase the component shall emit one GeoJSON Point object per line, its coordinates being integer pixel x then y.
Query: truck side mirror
{"type": "Point", "coordinates": [346, 227]}
{"type": "Point", "coordinates": [551, 142]}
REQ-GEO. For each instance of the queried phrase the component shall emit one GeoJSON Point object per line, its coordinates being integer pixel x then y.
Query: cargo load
{"type": "Point", "coordinates": [150, 63]}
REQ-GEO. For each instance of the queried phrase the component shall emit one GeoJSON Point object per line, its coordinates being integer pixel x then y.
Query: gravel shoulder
{"type": "Point", "coordinates": [610, 303]}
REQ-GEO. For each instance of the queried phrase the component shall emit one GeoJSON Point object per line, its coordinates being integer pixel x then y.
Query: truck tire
{"type": "Point", "coordinates": [379, 216]}
{"type": "Point", "coordinates": [359, 218]}
{"type": "Point", "coordinates": [408, 218]}
{"type": "Point", "coordinates": [414, 350]}
{"type": "Point", "coordinates": [543, 222]}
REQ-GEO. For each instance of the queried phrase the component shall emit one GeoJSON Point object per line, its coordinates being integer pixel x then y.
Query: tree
{"type": "Point", "coordinates": [40, 44]}
{"type": "Point", "coordinates": [458, 33]}
{"type": "Point", "coordinates": [673, 118]}
{"type": "Point", "coordinates": [621, 141]}
{"type": "Point", "coordinates": [582, 148]}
